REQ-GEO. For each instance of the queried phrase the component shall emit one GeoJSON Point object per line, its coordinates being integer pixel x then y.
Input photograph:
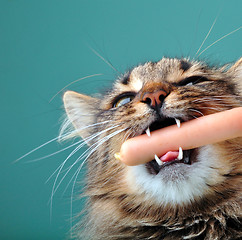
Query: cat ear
{"type": "Point", "coordinates": [237, 68]}
{"type": "Point", "coordinates": [236, 71]}
{"type": "Point", "coordinates": [81, 111]}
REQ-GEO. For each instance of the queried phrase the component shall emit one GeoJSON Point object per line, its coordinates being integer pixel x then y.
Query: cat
{"type": "Point", "coordinates": [199, 198]}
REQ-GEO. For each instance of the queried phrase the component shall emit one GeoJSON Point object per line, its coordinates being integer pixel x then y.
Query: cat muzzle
{"type": "Point", "coordinates": [171, 157]}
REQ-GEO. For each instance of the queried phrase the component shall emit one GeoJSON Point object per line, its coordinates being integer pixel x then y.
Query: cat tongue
{"type": "Point", "coordinates": [169, 156]}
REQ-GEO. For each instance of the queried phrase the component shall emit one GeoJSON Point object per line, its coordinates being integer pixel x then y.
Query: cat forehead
{"type": "Point", "coordinates": [170, 70]}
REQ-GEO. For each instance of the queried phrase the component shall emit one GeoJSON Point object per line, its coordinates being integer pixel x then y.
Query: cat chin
{"type": "Point", "coordinates": [177, 184]}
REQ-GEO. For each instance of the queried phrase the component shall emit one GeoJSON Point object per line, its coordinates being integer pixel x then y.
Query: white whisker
{"type": "Point", "coordinates": [207, 35]}
{"type": "Point", "coordinates": [195, 110]}
{"type": "Point", "coordinates": [54, 189]}
{"type": "Point", "coordinates": [92, 149]}
{"type": "Point", "coordinates": [37, 148]}
{"type": "Point", "coordinates": [63, 163]}
{"type": "Point", "coordinates": [52, 154]}
{"type": "Point", "coordinates": [89, 76]}
{"type": "Point", "coordinates": [215, 99]}
{"type": "Point", "coordinates": [61, 136]}
{"type": "Point", "coordinates": [127, 134]}
{"type": "Point", "coordinates": [219, 40]}
{"type": "Point", "coordinates": [80, 167]}
{"type": "Point", "coordinates": [67, 135]}
{"type": "Point", "coordinates": [212, 108]}
{"type": "Point", "coordinates": [107, 62]}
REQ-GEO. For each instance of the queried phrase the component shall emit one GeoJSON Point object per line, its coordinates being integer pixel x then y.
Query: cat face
{"type": "Point", "coordinates": [183, 90]}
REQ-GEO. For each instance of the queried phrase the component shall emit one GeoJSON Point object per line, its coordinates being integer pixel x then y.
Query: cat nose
{"type": "Point", "coordinates": [154, 99]}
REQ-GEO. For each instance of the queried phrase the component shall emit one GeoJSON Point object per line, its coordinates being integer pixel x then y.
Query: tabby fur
{"type": "Point", "coordinates": [197, 201]}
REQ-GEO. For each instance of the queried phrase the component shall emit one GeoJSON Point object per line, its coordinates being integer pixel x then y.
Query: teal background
{"type": "Point", "coordinates": [45, 45]}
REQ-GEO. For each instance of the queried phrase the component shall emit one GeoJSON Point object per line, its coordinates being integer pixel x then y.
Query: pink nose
{"type": "Point", "coordinates": [154, 98]}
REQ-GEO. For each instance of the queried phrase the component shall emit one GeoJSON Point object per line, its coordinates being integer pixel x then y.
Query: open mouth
{"type": "Point", "coordinates": [171, 157]}
{"type": "Point", "coordinates": [154, 167]}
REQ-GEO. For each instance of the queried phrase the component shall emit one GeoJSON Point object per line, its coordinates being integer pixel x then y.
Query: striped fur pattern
{"type": "Point", "coordinates": [200, 200]}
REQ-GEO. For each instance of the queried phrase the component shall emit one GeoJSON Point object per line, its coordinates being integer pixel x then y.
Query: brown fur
{"type": "Point", "coordinates": [118, 207]}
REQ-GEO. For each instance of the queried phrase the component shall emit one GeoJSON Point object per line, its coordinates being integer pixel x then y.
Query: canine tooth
{"type": "Point", "coordinates": [148, 131]}
{"type": "Point", "coordinates": [178, 122]}
{"type": "Point", "coordinates": [180, 155]}
{"type": "Point", "coordinates": [158, 160]}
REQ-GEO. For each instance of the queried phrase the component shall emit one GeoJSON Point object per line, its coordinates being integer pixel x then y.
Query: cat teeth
{"type": "Point", "coordinates": [180, 155]}
{"type": "Point", "coordinates": [148, 131]}
{"type": "Point", "coordinates": [178, 122]}
{"type": "Point", "coordinates": [158, 160]}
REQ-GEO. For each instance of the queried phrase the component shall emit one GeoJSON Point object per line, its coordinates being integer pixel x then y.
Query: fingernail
{"type": "Point", "coordinates": [117, 155]}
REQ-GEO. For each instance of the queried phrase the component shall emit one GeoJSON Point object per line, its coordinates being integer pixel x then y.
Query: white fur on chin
{"type": "Point", "coordinates": [176, 184]}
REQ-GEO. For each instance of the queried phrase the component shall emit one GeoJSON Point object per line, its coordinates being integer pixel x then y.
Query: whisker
{"type": "Point", "coordinates": [107, 62]}
{"type": "Point", "coordinates": [127, 134]}
{"type": "Point", "coordinates": [195, 110]}
{"type": "Point", "coordinates": [89, 76]}
{"type": "Point", "coordinates": [92, 149]}
{"type": "Point", "coordinates": [215, 98]}
{"type": "Point", "coordinates": [59, 169]}
{"type": "Point", "coordinates": [212, 108]}
{"type": "Point", "coordinates": [54, 189]}
{"type": "Point", "coordinates": [52, 154]}
{"type": "Point", "coordinates": [213, 101]}
{"type": "Point", "coordinates": [65, 127]}
{"type": "Point", "coordinates": [224, 96]}
{"type": "Point", "coordinates": [80, 167]}
{"type": "Point", "coordinates": [37, 148]}
{"type": "Point", "coordinates": [219, 40]}
{"type": "Point", "coordinates": [61, 136]}
{"type": "Point", "coordinates": [63, 163]}
{"type": "Point", "coordinates": [207, 35]}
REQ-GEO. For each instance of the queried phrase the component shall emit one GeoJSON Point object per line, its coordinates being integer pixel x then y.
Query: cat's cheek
{"type": "Point", "coordinates": [174, 107]}
{"type": "Point", "coordinates": [212, 160]}
{"type": "Point", "coordinates": [116, 142]}
{"type": "Point", "coordinates": [142, 110]}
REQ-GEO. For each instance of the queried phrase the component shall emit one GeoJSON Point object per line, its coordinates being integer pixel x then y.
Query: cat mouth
{"type": "Point", "coordinates": [154, 167]}
{"type": "Point", "coordinates": [171, 157]}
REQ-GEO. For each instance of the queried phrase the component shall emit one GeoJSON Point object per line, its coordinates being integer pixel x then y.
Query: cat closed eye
{"type": "Point", "coordinates": [192, 80]}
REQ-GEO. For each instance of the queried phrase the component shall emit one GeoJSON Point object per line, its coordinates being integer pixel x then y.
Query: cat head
{"type": "Point", "coordinates": [185, 90]}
